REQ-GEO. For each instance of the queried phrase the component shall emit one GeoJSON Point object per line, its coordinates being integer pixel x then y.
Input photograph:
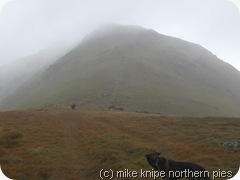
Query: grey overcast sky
{"type": "Point", "coordinates": [26, 26]}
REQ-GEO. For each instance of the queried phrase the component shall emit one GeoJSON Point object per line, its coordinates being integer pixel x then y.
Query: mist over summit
{"type": "Point", "coordinates": [136, 69]}
{"type": "Point", "coordinates": [28, 26]}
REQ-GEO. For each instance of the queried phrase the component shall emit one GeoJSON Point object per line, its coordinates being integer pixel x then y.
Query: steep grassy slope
{"type": "Point", "coordinates": [136, 69]}
{"type": "Point", "coordinates": [64, 144]}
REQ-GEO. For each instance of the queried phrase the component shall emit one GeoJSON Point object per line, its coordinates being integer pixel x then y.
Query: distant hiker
{"type": "Point", "coordinates": [73, 106]}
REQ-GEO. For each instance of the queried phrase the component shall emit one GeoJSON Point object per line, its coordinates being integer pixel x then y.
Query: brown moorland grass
{"type": "Point", "coordinates": [60, 143]}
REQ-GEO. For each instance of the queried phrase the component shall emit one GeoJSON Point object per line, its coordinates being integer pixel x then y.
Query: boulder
{"type": "Point", "coordinates": [231, 144]}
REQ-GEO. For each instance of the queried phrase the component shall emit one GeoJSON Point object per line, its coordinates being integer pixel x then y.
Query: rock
{"type": "Point", "coordinates": [231, 145]}
{"type": "Point", "coordinates": [112, 107]}
{"type": "Point", "coordinates": [144, 112]}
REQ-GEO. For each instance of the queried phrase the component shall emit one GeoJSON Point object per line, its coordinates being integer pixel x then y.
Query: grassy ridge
{"type": "Point", "coordinates": [64, 144]}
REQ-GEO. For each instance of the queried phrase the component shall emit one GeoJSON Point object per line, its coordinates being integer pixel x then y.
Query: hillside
{"type": "Point", "coordinates": [139, 70]}
{"type": "Point", "coordinates": [14, 73]}
{"type": "Point", "coordinates": [59, 143]}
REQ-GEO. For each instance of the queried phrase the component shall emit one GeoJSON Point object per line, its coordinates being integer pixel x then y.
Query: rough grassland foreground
{"type": "Point", "coordinates": [60, 143]}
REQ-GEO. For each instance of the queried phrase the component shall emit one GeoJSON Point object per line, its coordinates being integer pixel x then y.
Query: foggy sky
{"type": "Point", "coordinates": [26, 26]}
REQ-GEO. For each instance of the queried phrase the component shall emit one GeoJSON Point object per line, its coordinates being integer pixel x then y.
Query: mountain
{"type": "Point", "coordinates": [14, 73]}
{"type": "Point", "coordinates": [139, 70]}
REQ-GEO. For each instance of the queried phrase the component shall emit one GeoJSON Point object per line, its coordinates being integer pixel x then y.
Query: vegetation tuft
{"type": "Point", "coordinates": [11, 139]}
